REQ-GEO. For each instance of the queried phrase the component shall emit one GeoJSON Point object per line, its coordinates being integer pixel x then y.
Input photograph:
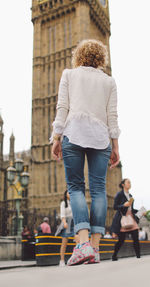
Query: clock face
{"type": "Point", "coordinates": [103, 2]}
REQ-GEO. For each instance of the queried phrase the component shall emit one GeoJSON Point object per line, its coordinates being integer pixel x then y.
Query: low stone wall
{"type": "Point", "coordinates": [10, 248]}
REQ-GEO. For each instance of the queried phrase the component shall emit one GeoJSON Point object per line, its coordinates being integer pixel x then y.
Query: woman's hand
{"type": "Point", "coordinates": [64, 222]}
{"type": "Point", "coordinates": [114, 158]}
{"type": "Point", "coordinates": [57, 150]}
{"type": "Point", "coordinates": [65, 225]}
{"type": "Point", "coordinates": [127, 204]}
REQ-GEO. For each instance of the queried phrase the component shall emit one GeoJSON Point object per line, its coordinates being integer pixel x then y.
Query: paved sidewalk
{"type": "Point", "coordinates": [16, 263]}
{"type": "Point", "coordinates": [126, 272]}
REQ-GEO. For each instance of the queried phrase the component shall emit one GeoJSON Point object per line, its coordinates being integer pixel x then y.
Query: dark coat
{"type": "Point", "coordinates": [119, 201]}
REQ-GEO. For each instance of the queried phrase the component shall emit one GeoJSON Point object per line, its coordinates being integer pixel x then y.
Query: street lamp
{"type": "Point", "coordinates": [18, 179]}
{"type": "Point", "coordinates": [19, 165]}
{"type": "Point", "coordinates": [25, 177]}
{"type": "Point", "coordinates": [11, 172]}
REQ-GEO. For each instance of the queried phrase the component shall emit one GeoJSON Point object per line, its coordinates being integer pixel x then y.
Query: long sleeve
{"type": "Point", "coordinates": [112, 116]}
{"type": "Point", "coordinates": [62, 210]}
{"type": "Point", "coordinates": [134, 210]}
{"type": "Point", "coordinates": [62, 105]}
{"type": "Point", "coordinates": [118, 205]}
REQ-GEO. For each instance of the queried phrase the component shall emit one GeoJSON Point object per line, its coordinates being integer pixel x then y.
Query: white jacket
{"type": "Point", "coordinates": [87, 92]}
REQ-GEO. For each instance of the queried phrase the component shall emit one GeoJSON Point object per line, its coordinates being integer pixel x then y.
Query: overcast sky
{"type": "Point", "coordinates": [130, 58]}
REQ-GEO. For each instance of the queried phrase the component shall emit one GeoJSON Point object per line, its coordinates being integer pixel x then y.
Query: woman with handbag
{"type": "Point", "coordinates": [67, 226]}
{"type": "Point", "coordinates": [125, 220]}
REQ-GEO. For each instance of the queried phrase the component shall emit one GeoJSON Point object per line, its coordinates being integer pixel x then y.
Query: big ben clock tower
{"type": "Point", "coordinates": [58, 27]}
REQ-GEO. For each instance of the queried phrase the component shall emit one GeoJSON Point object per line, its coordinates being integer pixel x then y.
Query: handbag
{"type": "Point", "coordinates": [127, 221]}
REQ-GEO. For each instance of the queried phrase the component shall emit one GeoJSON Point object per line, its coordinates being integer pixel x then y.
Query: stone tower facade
{"type": "Point", "coordinates": [12, 148]}
{"type": "Point", "coordinates": [1, 159]}
{"type": "Point", "coordinates": [58, 27]}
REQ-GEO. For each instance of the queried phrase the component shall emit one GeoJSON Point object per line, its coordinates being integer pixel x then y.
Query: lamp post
{"type": "Point", "coordinates": [18, 179]}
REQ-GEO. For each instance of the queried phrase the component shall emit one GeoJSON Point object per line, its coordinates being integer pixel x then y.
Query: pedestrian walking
{"type": "Point", "coordinates": [67, 226]}
{"type": "Point", "coordinates": [45, 227]}
{"type": "Point", "coordinates": [142, 234]}
{"type": "Point", "coordinates": [86, 119]}
{"type": "Point", "coordinates": [107, 235]}
{"type": "Point", "coordinates": [26, 234]}
{"type": "Point", "coordinates": [125, 220]}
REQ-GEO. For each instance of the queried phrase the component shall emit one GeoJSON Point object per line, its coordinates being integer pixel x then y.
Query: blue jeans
{"type": "Point", "coordinates": [74, 159]}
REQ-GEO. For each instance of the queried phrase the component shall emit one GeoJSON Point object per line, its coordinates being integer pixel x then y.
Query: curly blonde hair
{"type": "Point", "coordinates": [90, 53]}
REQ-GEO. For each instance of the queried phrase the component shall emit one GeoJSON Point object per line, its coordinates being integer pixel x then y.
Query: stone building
{"type": "Point", "coordinates": [58, 27]}
{"type": "Point", "coordinates": [8, 194]}
{"type": "Point", "coordinates": [1, 159]}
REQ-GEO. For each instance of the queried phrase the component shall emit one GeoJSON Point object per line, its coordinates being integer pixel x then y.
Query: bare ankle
{"type": "Point", "coordinates": [84, 236]}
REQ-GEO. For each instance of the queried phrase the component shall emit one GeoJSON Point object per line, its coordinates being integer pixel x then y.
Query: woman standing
{"type": "Point", "coordinates": [86, 120]}
{"type": "Point", "coordinates": [124, 205]}
{"type": "Point", "coordinates": [68, 226]}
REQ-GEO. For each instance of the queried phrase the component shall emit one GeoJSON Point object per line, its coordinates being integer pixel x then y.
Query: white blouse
{"type": "Point", "coordinates": [87, 108]}
{"type": "Point", "coordinates": [65, 211]}
{"type": "Point", "coordinates": [85, 132]}
{"type": "Point", "coordinates": [128, 198]}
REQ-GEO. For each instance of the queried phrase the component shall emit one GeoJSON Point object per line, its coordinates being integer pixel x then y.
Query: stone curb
{"type": "Point", "coordinates": [17, 266]}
